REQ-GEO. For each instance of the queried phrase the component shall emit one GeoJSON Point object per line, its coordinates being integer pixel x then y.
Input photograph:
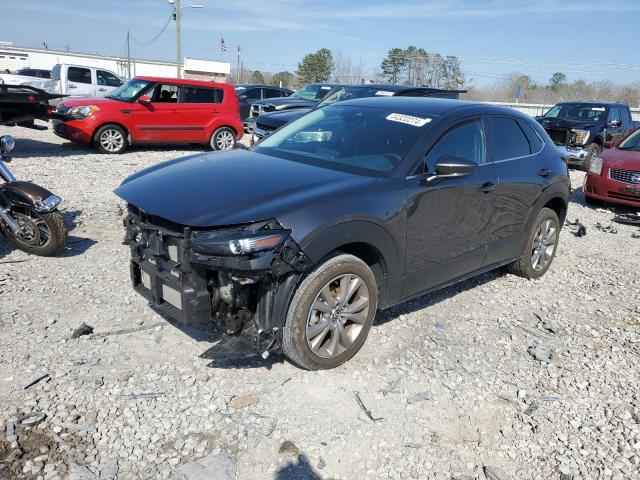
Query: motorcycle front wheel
{"type": "Point", "coordinates": [42, 233]}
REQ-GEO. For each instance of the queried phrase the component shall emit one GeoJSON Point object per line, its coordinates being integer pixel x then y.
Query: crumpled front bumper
{"type": "Point", "coordinates": [576, 156]}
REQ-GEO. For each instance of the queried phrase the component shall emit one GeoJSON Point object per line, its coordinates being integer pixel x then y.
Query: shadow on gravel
{"type": "Point", "coordinates": [577, 196]}
{"type": "Point", "coordinates": [76, 246]}
{"type": "Point", "coordinates": [436, 297]}
{"type": "Point", "coordinates": [70, 217]}
{"type": "Point", "coordinates": [302, 470]}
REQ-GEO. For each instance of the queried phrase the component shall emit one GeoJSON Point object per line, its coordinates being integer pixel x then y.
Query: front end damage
{"type": "Point", "coordinates": [238, 278]}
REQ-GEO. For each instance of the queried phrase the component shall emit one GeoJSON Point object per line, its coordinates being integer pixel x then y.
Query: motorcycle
{"type": "Point", "coordinates": [28, 213]}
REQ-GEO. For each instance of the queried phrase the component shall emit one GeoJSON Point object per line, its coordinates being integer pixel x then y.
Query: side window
{"type": "Point", "coordinates": [464, 141]}
{"type": "Point", "coordinates": [79, 75]}
{"type": "Point", "coordinates": [201, 95]}
{"type": "Point", "coordinates": [626, 116]}
{"type": "Point", "coordinates": [507, 138]}
{"type": "Point", "coordinates": [252, 94]}
{"type": "Point", "coordinates": [163, 93]}
{"type": "Point", "coordinates": [614, 114]}
{"type": "Point", "coordinates": [108, 79]}
{"type": "Point", "coordinates": [272, 93]}
{"type": "Point", "coordinates": [535, 142]}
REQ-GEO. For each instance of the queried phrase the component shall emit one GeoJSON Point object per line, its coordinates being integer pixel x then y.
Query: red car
{"type": "Point", "coordinates": [153, 110]}
{"type": "Point", "coordinates": [615, 175]}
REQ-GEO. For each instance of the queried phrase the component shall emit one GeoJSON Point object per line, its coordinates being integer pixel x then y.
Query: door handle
{"type": "Point", "coordinates": [544, 172]}
{"type": "Point", "coordinates": [102, 89]}
{"type": "Point", "coordinates": [487, 187]}
{"type": "Point", "coordinates": [72, 86]}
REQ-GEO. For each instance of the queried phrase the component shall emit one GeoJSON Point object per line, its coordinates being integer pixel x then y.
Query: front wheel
{"type": "Point", "coordinates": [331, 313]}
{"type": "Point", "coordinates": [111, 139]}
{"type": "Point", "coordinates": [540, 248]}
{"type": "Point", "coordinates": [223, 138]}
{"type": "Point", "coordinates": [41, 234]}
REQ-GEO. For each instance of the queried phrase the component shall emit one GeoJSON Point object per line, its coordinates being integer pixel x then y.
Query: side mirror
{"type": "Point", "coordinates": [452, 166]}
{"type": "Point", "coordinates": [614, 123]}
{"type": "Point", "coordinates": [145, 100]}
{"type": "Point", "coordinates": [242, 97]}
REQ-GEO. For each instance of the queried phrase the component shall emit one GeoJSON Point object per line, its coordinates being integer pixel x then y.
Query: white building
{"type": "Point", "coordinates": [13, 58]}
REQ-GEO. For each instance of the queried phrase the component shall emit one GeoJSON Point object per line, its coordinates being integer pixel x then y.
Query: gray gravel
{"type": "Point", "coordinates": [450, 374]}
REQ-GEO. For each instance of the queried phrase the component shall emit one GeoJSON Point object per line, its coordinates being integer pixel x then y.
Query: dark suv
{"type": "Point", "coordinates": [305, 97]}
{"type": "Point", "coordinates": [352, 208]}
{"type": "Point", "coordinates": [249, 93]}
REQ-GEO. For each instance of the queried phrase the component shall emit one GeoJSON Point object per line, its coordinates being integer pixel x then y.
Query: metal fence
{"type": "Point", "coordinates": [534, 109]}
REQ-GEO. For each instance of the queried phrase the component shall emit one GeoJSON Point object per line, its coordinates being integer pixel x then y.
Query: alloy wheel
{"type": "Point", "coordinates": [337, 316]}
{"type": "Point", "coordinates": [543, 245]}
{"type": "Point", "coordinates": [34, 230]}
{"type": "Point", "coordinates": [112, 140]}
{"type": "Point", "coordinates": [225, 140]}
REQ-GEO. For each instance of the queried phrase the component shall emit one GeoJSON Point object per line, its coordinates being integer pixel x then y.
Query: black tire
{"type": "Point", "coordinates": [224, 138]}
{"type": "Point", "coordinates": [294, 336]}
{"type": "Point", "coordinates": [119, 139]}
{"type": "Point", "coordinates": [54, 222]}
{"type": "Point", "coordinates": [524, 267]}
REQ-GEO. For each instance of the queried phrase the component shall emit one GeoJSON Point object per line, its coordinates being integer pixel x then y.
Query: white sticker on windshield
{"type": "Point", "coordinates": [598, 109]}
{"type": "Point", "coordinates": [325, 88]}
{"type": "Point", "coordinates": [384, 93]}
{"type": "Point", "coordinates": [408, 119]}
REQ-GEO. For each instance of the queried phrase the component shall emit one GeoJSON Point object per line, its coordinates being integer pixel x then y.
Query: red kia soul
{"type": "Point", "coordinates": [153, 110]}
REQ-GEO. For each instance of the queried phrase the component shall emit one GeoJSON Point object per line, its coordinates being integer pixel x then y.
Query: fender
{"type": "Point", "coordinates": [318, 245]}
{"type": "Point", "coordinates": [555, 190]}
{"type": "Point", "coordinates": [24, 193]}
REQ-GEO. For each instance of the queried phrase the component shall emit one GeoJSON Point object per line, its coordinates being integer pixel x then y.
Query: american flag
{"type": "Point", "coordinates": [223, 46]}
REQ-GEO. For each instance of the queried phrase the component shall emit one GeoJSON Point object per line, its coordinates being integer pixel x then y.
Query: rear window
{"type": "Point", "coordinates": [201, 95]}
{"type": "Point", "coordinates": [509, 141]}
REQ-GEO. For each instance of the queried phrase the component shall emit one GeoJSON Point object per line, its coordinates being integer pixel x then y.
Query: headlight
{"type": "Point", "coordinates": [7, 143]}
{"type": "Point", "coordinates": [80, 113]}
{"type": "Point", "coordinates": [580, 136]}
{"type": "Point", "coordinates": [596, 165]}
{"type": "Point", "coordinates": [238, 242]}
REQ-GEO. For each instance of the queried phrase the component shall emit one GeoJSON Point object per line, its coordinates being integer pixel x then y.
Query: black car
{"type": "Point", "coordinates": [305, 97]}
{"type": "Point", "coordinates": [269, 121]}
{"type": "Point", "coordinates": [355, 207]}
{"type": "Point", "coordinates": [33, 72]}
{"type": "Point", "coordinates": [582, 129]}
{"type": "Point", "coordinates": [251, 92]}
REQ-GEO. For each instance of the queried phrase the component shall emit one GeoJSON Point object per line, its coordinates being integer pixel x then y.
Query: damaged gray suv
{"type": "Point", "coordinates": [295, 244]}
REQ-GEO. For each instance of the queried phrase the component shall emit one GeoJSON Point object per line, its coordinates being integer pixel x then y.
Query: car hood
{"type": "Point", "coordinates": [233, 187]}
{"type": "Point", "coordinates": [552, 123]}
{"type": "Point", "coordinates": [277, 119]}
{"type": "Point", "coordinates": [622, 159]}
{"type": "Point", "coordinates": [284, 103]}
{"type": "Point", "coordinates": [81, 101]}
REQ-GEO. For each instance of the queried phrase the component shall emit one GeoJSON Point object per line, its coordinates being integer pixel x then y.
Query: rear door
{"type": "Point", "coordinates": [159, 120]}
{"type": "Point", "coordinates": [524, 170]}
{"type": "Point", "coordinates": [199, 107]}
{"type": "Point", "coordinates": [79, 82]}
{"type": "Point", "coordinates": [107, 82]}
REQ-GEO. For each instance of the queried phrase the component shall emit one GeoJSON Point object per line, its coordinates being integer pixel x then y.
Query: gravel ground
{"type": "Point", "coordinates": [450, 378]}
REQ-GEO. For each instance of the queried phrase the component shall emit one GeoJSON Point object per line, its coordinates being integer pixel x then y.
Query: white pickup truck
{"type": "Point", "coordinates": [72, 80]}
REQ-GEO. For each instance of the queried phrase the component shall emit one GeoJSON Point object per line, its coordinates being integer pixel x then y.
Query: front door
{"type": "Point", "coordinates": [159, 120]}
{"type": "Point", "coordinates": [79, 82]}
{"type": "Point", "coordinates": [449, 223]}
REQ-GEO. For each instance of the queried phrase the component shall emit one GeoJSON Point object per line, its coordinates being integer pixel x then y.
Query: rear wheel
{"type": "Point", "coordinates": [41, 234]}
{"type": "Point", "coordinates": [224, 138]}
{"type": "Point", "coordinates": [331, 313]}
{"type": "Point", "coordinates": [111, 139]}
{"type": "Point", "coordinates": [540, 248]}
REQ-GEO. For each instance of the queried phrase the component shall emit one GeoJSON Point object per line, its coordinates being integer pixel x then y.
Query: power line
{"type": "Point", "coordinates": [149, 42]}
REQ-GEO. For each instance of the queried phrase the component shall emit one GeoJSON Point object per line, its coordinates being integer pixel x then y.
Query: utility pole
{"type": "Point", "coordinates": [128, 54]}
{"type": "Point", "coordinates": [238, 66]}
{"type": "Point", "coordinates": [176, 16]}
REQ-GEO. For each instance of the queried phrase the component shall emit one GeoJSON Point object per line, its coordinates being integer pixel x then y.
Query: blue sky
{"type": "Point", "coordinates": [592, 40]}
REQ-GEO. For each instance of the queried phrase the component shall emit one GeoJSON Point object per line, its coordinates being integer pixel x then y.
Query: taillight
{"type": "Point", "coordinates": [31, 98]}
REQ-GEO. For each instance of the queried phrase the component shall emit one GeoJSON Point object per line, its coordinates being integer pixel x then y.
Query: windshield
{"type": "Point", "coordinates": [371, 141]}
{"type": "Point", "coordinates": [349, 93]}
{"type": "Point", "coordinates": [128, 90]}
{"type": "Point", "coordinates": [314, 93]}
{"type": "Point", "coordinates": [632, 142]}
{"type": "Point", "coordinates": [589, 112]}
